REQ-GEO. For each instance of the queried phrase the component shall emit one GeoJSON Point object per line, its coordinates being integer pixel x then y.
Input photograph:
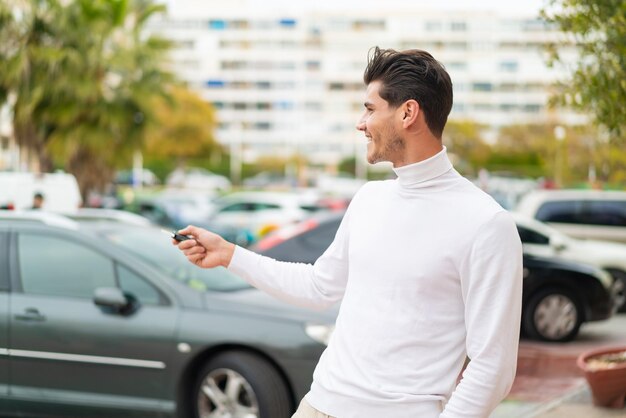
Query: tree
{"type": "Point", "coordinates": [182, 128]}
{"type": "Point", "coordinates": [83, 75]}
{"type": "Point", "coordinates": [597, 28]}
{"type": "Point", "coordinates": [464, 140]}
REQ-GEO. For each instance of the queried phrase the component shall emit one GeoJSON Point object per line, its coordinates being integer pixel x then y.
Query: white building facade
{"type": "Point", "coordinates": [290, 80]}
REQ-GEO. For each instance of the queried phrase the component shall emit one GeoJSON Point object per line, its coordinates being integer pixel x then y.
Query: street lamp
{"type": "Point", "coordinates": [559, 135]}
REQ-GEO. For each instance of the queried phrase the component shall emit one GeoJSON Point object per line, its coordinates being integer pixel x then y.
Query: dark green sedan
{"type": "Point", "coordinates": [109, 319]}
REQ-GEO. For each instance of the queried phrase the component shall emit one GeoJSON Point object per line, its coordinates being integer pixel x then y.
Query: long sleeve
{"type": "Point", "coordinates": [315, 286]}
{"type": "Point", "coordinates": [492, 291]}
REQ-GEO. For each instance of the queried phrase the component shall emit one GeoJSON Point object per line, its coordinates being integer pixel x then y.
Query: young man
{"type": "Point", "coordinates": [428, 268]}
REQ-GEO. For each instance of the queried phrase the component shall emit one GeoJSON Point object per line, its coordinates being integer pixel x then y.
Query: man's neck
{"type": "Point", "coordinates": [419, 149]}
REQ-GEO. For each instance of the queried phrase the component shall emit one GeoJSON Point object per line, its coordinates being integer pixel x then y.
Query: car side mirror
{"type": "Point", "coordinates": [113, 299]}
{"type": "Point", "coordinates": [558, 244]}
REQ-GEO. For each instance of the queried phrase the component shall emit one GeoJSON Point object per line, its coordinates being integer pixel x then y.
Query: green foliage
{"type": "Point", "coordinates": [348, 165]}
{"type": "Point", "coordinates": [183, 127]}
{"type": "Point", "coordinates": [83, 75]}
{"type": "Point", "coordinates": [464, 140]}
{"type": "Point", "coordinates": [597, 29]}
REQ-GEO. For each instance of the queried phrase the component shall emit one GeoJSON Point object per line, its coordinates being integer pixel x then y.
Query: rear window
{"type": "Point", "coordinates": [597, 212]}
{"type": "Point", "coordinates": [611, 213]}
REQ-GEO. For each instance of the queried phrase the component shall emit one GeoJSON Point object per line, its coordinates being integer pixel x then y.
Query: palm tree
{"type": "Point", "coordinates": [83, 74]}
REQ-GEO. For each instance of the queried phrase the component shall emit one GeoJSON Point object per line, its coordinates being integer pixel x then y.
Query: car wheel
{"type": "Point", "coordinates": [240, 385]}
{"type": "Point", "coordinates": [621, 295]}
{"type": "Point", "coordinates": [553, 315]}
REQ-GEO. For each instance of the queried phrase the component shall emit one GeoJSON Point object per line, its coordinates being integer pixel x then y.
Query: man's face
{"type": "Point", "coordinates": [379, 124]}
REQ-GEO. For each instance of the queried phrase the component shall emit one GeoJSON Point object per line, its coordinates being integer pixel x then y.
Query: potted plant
{"type": "Point", "coordinates": [605, 371]}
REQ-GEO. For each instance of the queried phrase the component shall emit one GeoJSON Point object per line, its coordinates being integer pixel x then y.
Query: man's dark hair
{"type": "Point", "coordinates": [412, 74]}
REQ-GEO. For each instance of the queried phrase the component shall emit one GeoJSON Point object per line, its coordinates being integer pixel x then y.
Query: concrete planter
{"type": "Point", "coordinates": [605, 371]}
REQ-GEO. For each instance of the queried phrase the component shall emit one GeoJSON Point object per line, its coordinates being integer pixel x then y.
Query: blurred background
{"type": "Point", "coordinates": [132, 97]}
{"type": "Point", "coordinates": [122, 117]}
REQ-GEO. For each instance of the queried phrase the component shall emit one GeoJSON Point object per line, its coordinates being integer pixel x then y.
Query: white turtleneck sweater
{"type": "Point", "coordinates": [430, 270]}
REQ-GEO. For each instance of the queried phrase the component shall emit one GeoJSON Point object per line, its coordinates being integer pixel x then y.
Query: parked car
{"type": "Point", "coordinates": [592, 214]}
{"type": "Point", "coordinates": [133, 177]}
{"type": "Point", "coordinates": [109, 319]}
{"type": "Point", "coordinates": [195, 178]}
{"type": "Point", "coordinates": [106, 215]}
{"type": "Point", "coordinates": [541, 240]}
{"type": "Point", "coordinates": [558, 295]}
{"type": "Point", "coordinates": [171, 216]}
{"type": "Point", "coordinates": [262, 212]}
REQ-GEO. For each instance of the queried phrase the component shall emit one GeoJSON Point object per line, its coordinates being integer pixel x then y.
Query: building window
{"type": "Point", "coordinates": [283, 105]}
{"type": "Point", "coordinates": [313, 65]}
{"type": "Point", "coordinates": [287, 23]}
{"type": "Point", "coordinates": [217, 24]}
{"type": "Point", "coordinates": [508, 107]}
{"type": "Point", "coordinates": [456, 65]}
{"type": "Point", "coordinates": [458, 46]}
{"type": "Point", "coordinates": [482, 87]}
{"type": "Point", "coordinates": [458, 26]}
{"type": "Point", "coordinates": [238, 24]}
{"type": "Point", "coordinates": [433, 26]}
{"type": "Point", "coordinates": [483, 107]}
{"type": "Point", "coordinates": [215, 84]}
{"type": "Point", "coordinates": [368, 25]}
{"type": "Point", "coordinates": [509, 66]}
{"type": "Point", "coordinates": [532, 108]}
{"type": "Point", "coordinates": [262, 126]}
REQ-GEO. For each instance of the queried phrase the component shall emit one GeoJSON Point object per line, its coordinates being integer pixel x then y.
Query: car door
{"type": "Point", "coordinates": [4, 316]}
{"type": "Point", "coordinates": [66, 349]}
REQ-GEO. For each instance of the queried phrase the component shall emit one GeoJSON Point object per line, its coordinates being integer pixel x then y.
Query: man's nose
{"type": "Point", "coordinates": [360, 125]}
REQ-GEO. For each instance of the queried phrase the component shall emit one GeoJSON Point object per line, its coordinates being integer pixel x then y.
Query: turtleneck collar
{"type": "Point", "coordinates": [423, 171]}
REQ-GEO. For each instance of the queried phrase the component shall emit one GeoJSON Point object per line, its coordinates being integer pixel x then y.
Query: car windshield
{"type": "Point", "coordinates": [155, 248]}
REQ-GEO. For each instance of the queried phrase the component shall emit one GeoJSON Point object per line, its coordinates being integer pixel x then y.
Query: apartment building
{"type": "Point", "coordinates": [288, 80]}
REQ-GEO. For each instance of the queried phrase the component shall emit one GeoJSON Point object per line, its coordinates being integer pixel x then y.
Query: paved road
{"type": "Point", "coordinates": [548, 383]}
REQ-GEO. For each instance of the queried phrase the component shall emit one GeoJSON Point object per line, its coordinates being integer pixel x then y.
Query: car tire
{"type": "Point", "coordinates": [620, 275]}
{"type": "Point", "coordinates": [241, 383]}
{"type": "Point", "coordinates": [553, 315]}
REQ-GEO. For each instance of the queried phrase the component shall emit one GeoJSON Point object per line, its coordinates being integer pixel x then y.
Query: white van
{"type": "Point", "coordinates": [591, 214]}
{"type": "Point", "coordinates": [60, 191]}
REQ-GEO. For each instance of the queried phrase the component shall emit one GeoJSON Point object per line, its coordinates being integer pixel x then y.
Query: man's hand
{"type": "Point", "coordinates": [206, 249]}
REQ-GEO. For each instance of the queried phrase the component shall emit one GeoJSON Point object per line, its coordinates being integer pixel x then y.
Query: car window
{"type": "Point", "coordinates": [611, 213]}
{"type": "Point", "coordinates": [528, 236]}
{"type": "Point", "coordinates": [153, 247]}
{"type": "Point", "coordinates": [238, 207]}
{"type": "Point", "coordinates": [565, 211]}
{"type": "Point", "coordinates": [56, 266]}
{"type": "Point", "coordinates": [138, 287]}
{"type": "Point", "coordinates": [265, 206]}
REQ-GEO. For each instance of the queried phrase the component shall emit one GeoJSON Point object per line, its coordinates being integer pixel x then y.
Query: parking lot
{"type": "Point", "coordinates": [548, 382]}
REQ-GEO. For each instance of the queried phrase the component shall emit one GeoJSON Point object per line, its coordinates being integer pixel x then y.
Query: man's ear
{"type": "Point", "coordinates": [411, 110]}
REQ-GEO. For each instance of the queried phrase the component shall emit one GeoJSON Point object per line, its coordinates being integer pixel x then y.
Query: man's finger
{"type": "Point", "coordinates": [194, 258]}
{"type": "Point", "coordinates": [194, 250]}
{"type": "Point", "coordinates": [187, 244]}
{"type": "Point", "coordinates": [190, 230]}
